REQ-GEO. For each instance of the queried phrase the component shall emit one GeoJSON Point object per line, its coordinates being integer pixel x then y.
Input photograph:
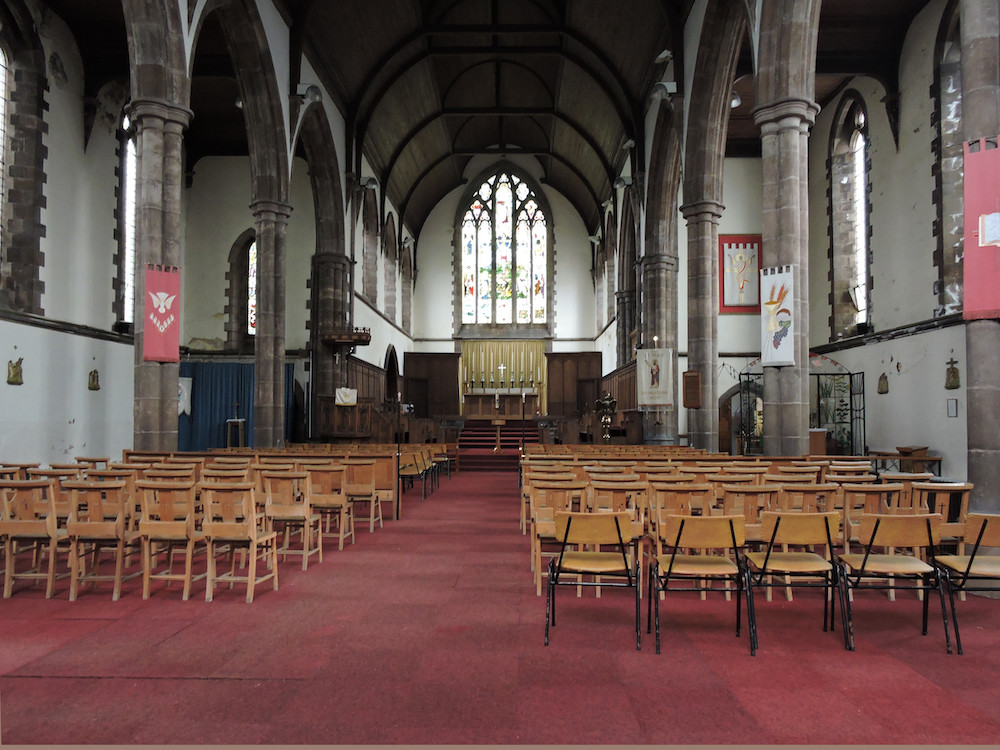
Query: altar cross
{"type": "Point", "coordinates": [501, 368]}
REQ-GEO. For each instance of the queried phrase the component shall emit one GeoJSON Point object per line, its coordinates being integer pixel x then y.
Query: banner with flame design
{"type": "Point", "coordinates": [777, 323]}
{"type": "Point", "coordinates": [161, 327]}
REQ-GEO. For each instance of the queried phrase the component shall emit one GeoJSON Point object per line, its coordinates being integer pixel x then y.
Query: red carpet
{"type": "Point", "coordinates": [429, 632]}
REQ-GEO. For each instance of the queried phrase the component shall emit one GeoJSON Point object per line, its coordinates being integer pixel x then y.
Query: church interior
{"type": "Point", "coordinates": [445, 237]}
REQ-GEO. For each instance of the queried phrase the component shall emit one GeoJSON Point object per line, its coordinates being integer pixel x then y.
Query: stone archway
{"type": "Point", "coordinates": [708, 118]}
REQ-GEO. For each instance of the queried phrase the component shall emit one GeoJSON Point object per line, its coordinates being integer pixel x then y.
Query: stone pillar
{"type": "Point", "coordinates": [625, 322]}
{"type": "Point", "coordinates": [271, 218]}
{"type": "Point", "coordinates": [659, 284]}
{"type": "Point", "coordinates": [331, 290]}
{"type": "Point", "coordinates": [159, 137]}
{"type": "Point", "coordinates": [980, 20]}
{"type": "Point", "coordinates": [703, 318]}
{"type": "Point", "coordinates": [785, 150]}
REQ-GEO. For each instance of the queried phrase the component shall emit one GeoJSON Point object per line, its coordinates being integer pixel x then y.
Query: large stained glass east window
{"type": "Point", "coordinates": [504, 252]}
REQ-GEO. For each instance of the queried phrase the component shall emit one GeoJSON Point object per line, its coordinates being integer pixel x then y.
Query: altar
{"type": "Point", "coordinates": [493, 403]}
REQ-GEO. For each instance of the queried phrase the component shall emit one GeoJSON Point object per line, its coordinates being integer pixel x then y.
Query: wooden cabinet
{"type": "Point", "coordinates": [574, 381]}
{"type": "Point", "coordinates": [345, 421]}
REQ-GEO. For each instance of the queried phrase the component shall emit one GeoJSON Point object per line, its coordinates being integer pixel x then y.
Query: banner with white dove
{"type": "Point", "coordinates": [777, 323]}
{"type": "Point", "coordinates": [161, 329]}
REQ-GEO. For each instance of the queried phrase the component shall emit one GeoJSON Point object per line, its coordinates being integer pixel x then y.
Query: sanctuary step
{"type": "Point", "coordinates": [485, 446]}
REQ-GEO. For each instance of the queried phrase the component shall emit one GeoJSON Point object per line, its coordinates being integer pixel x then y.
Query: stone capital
{"type": "Point", "coordinates": [783, 114]}
{"type": "Point", "coordinates": [267, 210]}
{"type": "Point", "coordinates": [158, 113]}
{"type": "Point", "coordinates": [702, 211]}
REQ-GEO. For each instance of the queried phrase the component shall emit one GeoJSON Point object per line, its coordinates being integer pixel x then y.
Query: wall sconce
{"type": "Point", "coordinates": [883, 383]}
{"type": "Point", "coordinates": [952, 380]}
{"type": "Point", "coordinates": [735, 101]}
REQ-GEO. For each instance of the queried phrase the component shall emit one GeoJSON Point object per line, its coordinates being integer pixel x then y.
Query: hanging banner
{"type": "Point", "coordinates": [184, 386]}
{"type": "Point", "coordinates": [739, 262]}
{"type": "Point", "coordinates": [776, 322]}
{"type": "Point", "coordinates": [161, 329]}
{"type": "Point", "coordinates": [981, 260]}
{"type": "Point", "coordinates": [654, 378]}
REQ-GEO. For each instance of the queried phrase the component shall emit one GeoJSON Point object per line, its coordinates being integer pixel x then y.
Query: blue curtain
{"type": "Point", "coordinates": [221, 391]}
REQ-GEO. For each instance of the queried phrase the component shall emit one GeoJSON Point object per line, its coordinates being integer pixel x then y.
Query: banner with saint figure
{"type": "Point", "coordinates": [654, 377]}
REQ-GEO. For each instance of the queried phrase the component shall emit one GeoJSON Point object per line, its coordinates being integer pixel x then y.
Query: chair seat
{"type": "Point", "coordinates": [698, 565]}
{"type": "Point", "coordinates": [983, 566]}
{"type": "Point", "coordinates": [592, 562]}
{"type": "Point", "coordinates": [886, 564]}
{"type": "Point", "coordinates": [790, 562]}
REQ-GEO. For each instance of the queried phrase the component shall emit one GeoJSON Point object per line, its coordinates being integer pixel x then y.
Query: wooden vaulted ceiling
{"type": "Point", "coordinates": [427, 85]}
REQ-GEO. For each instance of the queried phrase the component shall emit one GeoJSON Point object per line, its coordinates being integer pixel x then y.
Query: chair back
{"type": "Point", "coordinates": [809, 498]}
{"type": "Point", "coordinates": [900, 529]}
{"type": "Point", "coordinates": [982, 530]}
{"type": "Point", "coordinates": [704, 532]}
{"type": "Point", "coordinates": [799, 528]}
{"type": "Point", "coordinates": [359, 475]}
{"type": "Point", "coordinates": [286, 490]}
{"type": "Point", "coordinates": [326, 479]}
{"type": "Point", "coordinates": [97, 509]}
{"type": "Point", "coordinates": [230, 510]}
{"type": "Point", "coordinates": [167, 508]}
{"type": "Point", "coordinates": [547, 497]}
{"type": "Point", "coordinates": [681, 498]}
{"type": "Point", "coordinates": [593, 528]}
{"type": "Point", "coordinates": [27, 507]}
{"type": "Point", "coordinates": [235, 474]}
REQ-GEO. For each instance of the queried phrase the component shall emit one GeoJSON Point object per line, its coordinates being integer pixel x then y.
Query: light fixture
{"type": "Point", "coordinates": [664, 57]}
{"type": "Point", "coordinates": [595, 238]}
{"type": "Point", "coordinates": [371, 183]}
{"type": "Point", "coordinates": [238, 103]}
{"type": "Point", "coordinates": [735, 101]}
{"type": "Point", "coordinates": [952, 379]}
{"type": "Point", "coordinates": [628, 145]}
{"type": "Point", "coordinates": [622, 182]}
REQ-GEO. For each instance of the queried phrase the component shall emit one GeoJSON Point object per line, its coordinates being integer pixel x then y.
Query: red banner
{"type": "Point", "coordinates": [981, 260]}
{"type": "Point", "coordinates": [161, 339]}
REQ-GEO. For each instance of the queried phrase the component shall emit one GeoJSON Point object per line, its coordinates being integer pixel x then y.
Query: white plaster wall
{"type": "Point", "coordinates": [217, 209]}
{"type": "Point", "coordinates": [902, 185]}
{"type": "Point", "coordinates": [434, 290]}
{"type": "Point", "coordinates": [914, 411]}
{"type": "Point", "coordinates": [54, 417]}
{"type": "Point", "coordinates": [383, 334]}
{"type": "Point", "coordinates": [79, 215]}
{"type": "Point", "coordinates": [743, 198]}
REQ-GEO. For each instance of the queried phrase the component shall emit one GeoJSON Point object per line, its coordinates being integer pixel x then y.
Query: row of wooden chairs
{"type": "Point", "coordinates": [799, 550]}
{"type": "Point", "coordinates": [291, 497]}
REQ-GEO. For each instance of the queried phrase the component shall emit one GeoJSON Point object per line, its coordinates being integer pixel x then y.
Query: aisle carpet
{"type": "Point", "coordinates": [429, 632]}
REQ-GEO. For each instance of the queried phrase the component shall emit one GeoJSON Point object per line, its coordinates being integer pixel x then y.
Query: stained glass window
{"type": "Point", "coordinates": [504, 254]}
{"type": "Point", "coordinates": [127, 219]}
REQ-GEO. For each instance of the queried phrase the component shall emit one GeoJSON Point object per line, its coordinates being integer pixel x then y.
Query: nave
{"type": "Point", "coordinates": [429, 631]}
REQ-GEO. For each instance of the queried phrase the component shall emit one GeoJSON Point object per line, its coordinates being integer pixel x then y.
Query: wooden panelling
{"type": "Point", "coordinates": [574, 381]}
{"type": "Point", "coordinates": [431, 383]}
{"type": "Point", "coordinates": [368, 379]}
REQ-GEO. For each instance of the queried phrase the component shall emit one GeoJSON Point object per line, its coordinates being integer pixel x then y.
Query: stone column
{"type": "Point", "coordinates": [331, 290]}
{"type": "Point", "coordinates": [703, 318]}
{"type": "Point", "coordinates": [625, 322]}
{"type": "Point", "coordinates": [659, 283]}
{"type": "Point", "coordinates": [271, 218]}
{"type": "Point", "coordinates": [980, 21]}
{"type": "Point", "coordinates": [785, 149]}
{"type": "Point", "coordinates": [159, 137]}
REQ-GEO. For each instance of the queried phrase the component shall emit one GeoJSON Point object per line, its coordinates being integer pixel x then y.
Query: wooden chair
{"type": "Point", "coordinates": [235, 474]}
{"type": "Point", "coordinates": [850, 478]}
{"type": "Point", "coordinates": [862, 499]}
{"type": "Point", "coordinates": [975, 571]}
{"type": "Point", "coordinates": [810, 498]}
{"type": "Point", "coordinates": [584, 539]}
{"type": "Point", "coordinates": [889, 569]}
{"type": "Point", "coordinates": [799, 567]}
{"type": "Point", "coordinates": [359, 489]}
{"type": "Point", "coordinates": [547, 498]}
{"type": "Point", "coordinates": [21, 468]}
{"type": "Point", "coordinates": [545, 475]}
{"type": "Point", "coordinates": [99, 519]}
{"type": "Point", "coordinates": [748, 502]}
{"type": "Point", "coordinates": [232, 522]}
{"type": "Point", "coordinates": [809, 470]}
{"type": "Point", "coordinates": [679, 498]}
{"type": "Point", "coordinates": [850, 467]}
{"type": "Point", "coordinates": [906, 479]}
{"type": "Point", "coordinates": [329, 501]}
{"type": "Point", "coordinates": [703, 550]}
{"type": "Point", "coordinates": [168, 520]}
{"type": "Point", "coordinates": [288, 506]}
{"type": "Point", "coordinates": [28, 517]}
{"type": "Point", "coordinates": [789, 477]}
{"type": "Point", "coordinates": [951, 500]}
{"type": "Point", "coordinates": [757, 472]}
